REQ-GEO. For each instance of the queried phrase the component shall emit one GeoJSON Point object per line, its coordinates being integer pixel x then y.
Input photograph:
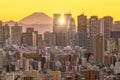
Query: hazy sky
{"type": "Point", "coordinates": [17, 9]}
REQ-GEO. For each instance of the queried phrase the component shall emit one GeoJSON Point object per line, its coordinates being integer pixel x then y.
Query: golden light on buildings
{"type": "Point", "coordinates": [62, 21]}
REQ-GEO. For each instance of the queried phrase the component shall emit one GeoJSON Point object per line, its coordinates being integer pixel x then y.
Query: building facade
{"type": "Point", "coordinates": [94, 26]}
{"type": "Point", "coordinates": [1, 35]}
{"type": "Point", "coordinates": [82, 30]}
{"type": "Point", "coordinates": [4, 34]}
{"type": "Point", "coordinates": [71, 32]}
{"type": "Point", "coordinates": [30, 37]}
{"type": "Point", "coordinates": [61, 30]}
{"type": "Point", "coordinates": [106, 25]}
{"type": "Point", "coordinates": [16, 33]}
{"type": "Point", "coordinates": [98, 48]}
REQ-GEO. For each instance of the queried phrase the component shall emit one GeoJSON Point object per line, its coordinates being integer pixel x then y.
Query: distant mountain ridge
{"type": "Point", "coordinates": [38, 20]}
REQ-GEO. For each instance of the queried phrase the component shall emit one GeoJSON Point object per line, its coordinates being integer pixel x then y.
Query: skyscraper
{"type": "Point", "coordinates": [56, 22]}
{"type": "Point", "coordinates": [26, 39]}
{"type": "Point", "coordinates": [82, 30]}
{"type": "Point", "coordinates": [16, 33]}
{"type": "Point", "coordinates": [53, 39]}
{"type": "Point", "coordinates": [6, 34]}
{"type": "Point", "coordinates": [98, 48]}
{"type": "Point", "coordinates": [71, 32]}
{"type": "Point", "coordinates": [30, 37]}
{"type": "Point", "coordinates": [1, 35]}
{"type": "Point", "coordinates": [106, 25]}
{"type": "Point", "coordinates": [6, 31]}
{"type": "Point", "coordinates": [39, 39]}
{"type": "Point", "coordinates": [61, 29]}
{"type": "Point", "coordinates": [48, 38]}
{"type": "Point", "coordinates": [67, 19]}
{"type": "Point", "coordinates": [94, 26]}
{"type": "Point", "coordinates": [82, 23]}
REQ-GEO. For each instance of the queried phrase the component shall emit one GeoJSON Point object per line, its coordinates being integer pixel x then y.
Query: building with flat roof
{"type": "Point", "coordinates": [16, 34]}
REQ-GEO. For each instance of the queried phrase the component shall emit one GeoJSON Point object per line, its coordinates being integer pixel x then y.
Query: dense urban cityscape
{"type": "Point", "coordinates": [88, 49]}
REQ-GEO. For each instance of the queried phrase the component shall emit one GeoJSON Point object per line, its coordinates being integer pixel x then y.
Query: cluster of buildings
{"type": "Point", "coordinates": [98, 36]}
{"type": "Point", "coordinates": [68, 52]}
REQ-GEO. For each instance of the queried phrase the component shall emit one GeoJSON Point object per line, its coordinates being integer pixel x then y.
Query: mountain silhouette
{"type": "Point", "coordinates": [36, 18]}
{"type": "Point", "coordinates": [39, 21]}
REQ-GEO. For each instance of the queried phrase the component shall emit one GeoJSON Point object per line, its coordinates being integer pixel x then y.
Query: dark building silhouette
{"type": "Point", "coordinates": [30, 30]}
{"type": "Point", "coordinates": [39, 42]}
{"type": "Point", "coordinates": [16, 33]}
{"type": "Point", "coordinates": [30, 37]}
{"type": "Point", "coordinates": [48, 38]}
{"type": "Point", "coordinates": [1, 35]}
{"type": "Point", "coordinates": [98, 48]}
{"type": "Point", "coordinates": [94, 26]}
{"type": "Point", "coordinates": [106, 25]}
{"type": "Point", "coordinates": [4, 34]}
{"type": "Point", "coordinates": [27, 38]}
{"type": "Point", "coordinates": [71, 32]}
{"type": "Point", "coordinates": [82, 23]}
{"type": "Point", "coordinates": [82, 30]}
{"type": "Point", "coordinates": [6, 31]}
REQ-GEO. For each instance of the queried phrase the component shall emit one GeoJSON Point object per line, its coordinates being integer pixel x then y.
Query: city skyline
{"type": "Point", "coordinates": [16, 10]}
{"type": "Point", "coordinates": [59, 40]}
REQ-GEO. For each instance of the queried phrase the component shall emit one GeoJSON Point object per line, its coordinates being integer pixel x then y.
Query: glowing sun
{"type": "Point", "coordinates": [62, 21]}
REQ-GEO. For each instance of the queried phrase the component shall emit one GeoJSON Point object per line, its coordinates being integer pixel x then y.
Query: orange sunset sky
{"type": "Point", "coordinates": [17, 9]}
